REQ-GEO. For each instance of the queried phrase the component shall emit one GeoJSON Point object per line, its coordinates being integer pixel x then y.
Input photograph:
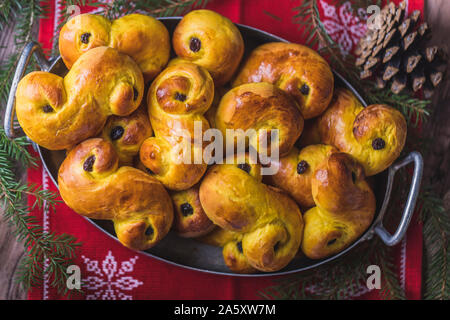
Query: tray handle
{"type": "Point", "coordinates": [386, 237]}
{"type": "Point", "coordinates": [31, 48]}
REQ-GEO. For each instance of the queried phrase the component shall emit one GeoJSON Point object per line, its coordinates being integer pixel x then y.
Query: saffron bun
{"type": "Point", "coordinates": [190, 220]}
{"type": "Point", "coordinates": [92, 184]}
{"type": "Point", "coordinates": [374, 135]}
{"type": "Point", "coordinates": [128, 133]}
{"type": "Point", "coordinates": [262, 107]}
{"type": "Point", "coordinates": [269, 222]}
{"type": "Point", "coordinates": [296, 170]}
{"type": "Point", "coordinates": [296, 69]}
{"type": "Point", "coordinates": [143, 38]}
{"type": "Point", "coordinates": [177, 98]}
{"type": "Point", "coordinates": [345, 206]}
{"type": "Point", "coordinates": [57, 113]}
{"type": "Point", "coordinates": [210, 40]}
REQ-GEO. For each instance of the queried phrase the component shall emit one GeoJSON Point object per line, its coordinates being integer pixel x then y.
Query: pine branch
{"type": "Point", "coordinates": [415, 110]}
{"type": "Point", "coordinates": [17, 149]}
{"type": "Point", "coordinates": [341, 278]}
{"type": "Point", "coordinates": [46, 252]}
{"type": "Point", "coordinates": [8, 11]}
{"type": "Point", "coordinates": [436, 230]}
{"type": "Point", "coordinates": [27, 13]}
{"type": "Point", "coordinates": [57, 250]}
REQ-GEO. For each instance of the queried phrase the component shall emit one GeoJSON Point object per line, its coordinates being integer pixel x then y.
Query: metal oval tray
{"type": "Point", "coordinates": [191, 254]}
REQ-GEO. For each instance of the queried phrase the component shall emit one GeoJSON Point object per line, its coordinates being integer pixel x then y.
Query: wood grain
{"type": "Point", "coordinates": [437, 162]}
{"type": "Point", "coordinates": [11, 251]}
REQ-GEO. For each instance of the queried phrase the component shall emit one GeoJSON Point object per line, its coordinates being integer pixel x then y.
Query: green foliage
{"type": "Point", "coordinates": [57, 250]}
{"type": "Point", "coordinates": [338, 278]}
{"type": "Point", "coordinates": [48, 253]}
{"type": "Point", "coordinates": [436, 229]}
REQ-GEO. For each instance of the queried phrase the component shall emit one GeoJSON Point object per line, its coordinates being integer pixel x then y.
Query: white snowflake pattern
{"type": "Point", "coordinates": [107, 281]}
{"type": "Point", "coordinates": [342, 26]}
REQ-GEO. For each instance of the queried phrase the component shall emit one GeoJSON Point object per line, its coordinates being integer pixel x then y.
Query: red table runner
{"type": "Point", "coordinates": [112, 271]}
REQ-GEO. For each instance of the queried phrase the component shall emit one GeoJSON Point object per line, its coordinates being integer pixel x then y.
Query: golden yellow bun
{"type": "Point", "coordinates": [142, 37]}
{"type": "Point", "coordinates": [345, 207]}
{"type": "Point", "coordinates": [296, 69]}
{"type": "Point", "coordinates": [269, 222]}
{"type": "Point", "coordinates": [231, 245]}
{"type": "Point", "coordinates": [210, 40]}
{"type": "Point", "coordinates": [296, 170]}
{"type": "Point", "coordinates": [178, 97]}
{"type": "Point", "coordinates": [261, 106]}
{"type": "Point", "coordinates": [58, 113]}
{"type": "Point", "coordinates": [190, 219]}
{"type": "Point", "coordinates": [374, 135]}
{"type": "Point", "coordinates": [128, 133]}
{"type": "Point", "coordinates": [91, 183]}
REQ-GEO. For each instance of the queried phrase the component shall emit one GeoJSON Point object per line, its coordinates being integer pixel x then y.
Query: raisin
{"type": "Point", "coordinates": [180, 97]}
{"type": "Point", "coordinates": [302, 166]}
{"type": "Point", "coordinates": [378, 144]}
{"type": "Point", "coordinates": [149, 171]}
{"type": "Point", "coordinates": [331, 242]}
{"type": "Point", "coordinates": [88, 164]}
{"type": "Point", "coordinates": [149, 231]}
{"type": "Point", "coordinates": [85, 37]}
{"type": "Point", "coordinates": [116, 133]}
{"type": "Point", "coordinates": [195, 44]}
{"type": "Point", "coordinates": [276, 246]}
{"type": "Point", "coordinates": [244, 166]}
{"type": "Point", "coordinates": [353, 177]}
{"type": "Point", "coordinates": [135, 94]}
{"type": "Point", "coordinates": [304, 89]}
{"type": "Point", "coordinates": [186, 209]}
{"type": "Point", "coordinates": [47, 108]}
{"type": "Point", "coordinates": [239, 246]}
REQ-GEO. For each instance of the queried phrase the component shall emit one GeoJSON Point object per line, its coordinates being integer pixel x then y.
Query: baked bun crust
{"type": "Point", "coordinates": [296, 170]}
{"type": "Point", "coordinates": [269, 222]}
{"type": "Point", "coordinates": [178, 98]}
{"type": "Point", "coordinates": [345, 207]}
{"type": "Point", "coordinates": [262, 107]}
{"type": "Point", "coordinates": [210, 40]}
{"type": "Point", "coordinates": [143, 38]}
{"type": "Point", "coordinates": [128, 133]}
{"type": "Point", "coordinates": [190, 218]}
{"type": "Point", "coordinates": [58, 113]}
{"type": "Point", "coordinates": [91, 183]}
{"type": "Point", "coordinates": [374, 135]}
{"type": "Point", "coordinates": [294, 68]}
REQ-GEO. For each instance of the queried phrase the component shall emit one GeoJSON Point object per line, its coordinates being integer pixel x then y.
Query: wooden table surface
{"type": "Point", "coordinates": [437, 163]}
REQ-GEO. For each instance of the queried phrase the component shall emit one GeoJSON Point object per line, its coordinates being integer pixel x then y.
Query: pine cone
{"type": "Point", "coordinates": [397, 55]}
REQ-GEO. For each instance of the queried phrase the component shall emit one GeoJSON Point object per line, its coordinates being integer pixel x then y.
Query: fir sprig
{"type": "Point", "coordinates": [334, 279]}
{"type": "Point", "coordinates": [436, 228]}
{"type": "Point", "coordinates": [48, 253]}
